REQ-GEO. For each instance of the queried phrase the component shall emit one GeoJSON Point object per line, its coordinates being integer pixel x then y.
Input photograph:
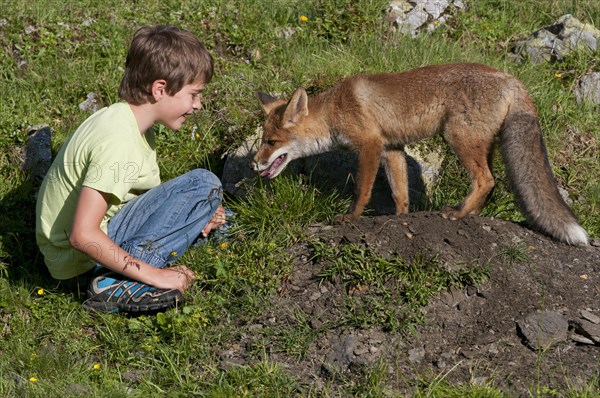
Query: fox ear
{"type": "Point", "coordinates": [268, 103]}
{"type": "Point", "coordinates": [297, 108]}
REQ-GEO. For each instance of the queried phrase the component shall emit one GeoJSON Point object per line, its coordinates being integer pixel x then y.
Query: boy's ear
{"type": "Point", "coordinates": [269, 103]}
{"type": "Point", "coordinates": [159, 89]}
{"type": "Point", "coordinates": [296, 109]}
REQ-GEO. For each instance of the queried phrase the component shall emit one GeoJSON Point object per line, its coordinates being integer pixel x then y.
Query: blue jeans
{"type": "Point", "coordinates": [158, 226]}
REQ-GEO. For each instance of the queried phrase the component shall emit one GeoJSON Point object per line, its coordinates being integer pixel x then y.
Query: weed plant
{"type": "Point", "coordinates": [52, 54]}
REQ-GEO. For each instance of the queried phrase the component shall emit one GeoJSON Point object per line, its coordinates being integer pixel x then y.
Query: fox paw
{"type": "Point", "coordinates": [343, 218]}
{"type": "Point", "coordinates": [450, 213]}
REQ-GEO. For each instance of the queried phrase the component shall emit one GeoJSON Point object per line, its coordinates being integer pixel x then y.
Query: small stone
{"type": "Point", "coordinates": [543, 330]}
{"type": "Point", "coordinates": [315, 324]}
{"type": "Point", "coordinates": [453, 298]}
{"type": "Point", "coordinates": [133, 376]}
{"type": "Point", "coordinates": [315, 296]}
{"type": "Point", "coordinates": [256, 326]}
{"type": "Point", "coordinates": [471, 290]}
{"type": "Point", "coordinates": [588, 88]}
{"type": "Point", "coordinates": [416, 355]}
{"type": "Point", "coordinates": [361, 350]}
{"type": "Point", "coordinates": [590, 317]}
{"type": "Point", "coordinates": [479, 381]}
{"type": "Point", "coordinates": [443, 360]}
{"type": "Point", "coordinates": [79, 389]}
{"type": "Point", "coordinates": [580, 339]}
{"type": "Point", "coordinates": [90, 104]}
{"type": "Point", "coordinates": [587, 329]}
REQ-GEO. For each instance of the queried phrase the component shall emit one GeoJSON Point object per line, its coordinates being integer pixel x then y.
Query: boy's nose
{"type": "Point", "coordinates": [197, 104]}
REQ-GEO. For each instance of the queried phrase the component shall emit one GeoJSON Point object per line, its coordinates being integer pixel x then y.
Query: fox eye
{"type": "Point", "coordinates": [272, 142]}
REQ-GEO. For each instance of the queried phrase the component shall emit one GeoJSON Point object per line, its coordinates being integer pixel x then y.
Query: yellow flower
{"type": "Point", "coordinates": [34, 355]}
{"type": "Point", "coordinates": [96, 366]}
{"type": "Point", "coordinates": [197, 135]}
{"type": "Point", "coordinates": [303, 18]}
{"type": "Point", "coordinates": [436, 22]}
{"type": "Point", "coordinates": [40, 292]}
{"type": "Point", "coordinates": [173, 254]}
{"type": "Point", "coordinates": [558, 75]}
{"type": "Point", "coordinates": [223, 245]}
{"type": "Point", "coordinates": [33, 379]}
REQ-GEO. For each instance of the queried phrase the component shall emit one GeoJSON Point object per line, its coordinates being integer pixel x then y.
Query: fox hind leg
{"type": "Point", "coordinates": [476, 156]}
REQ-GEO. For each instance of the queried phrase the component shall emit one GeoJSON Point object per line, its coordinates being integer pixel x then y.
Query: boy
{"type": "Point", "coordinates": [104, 220]}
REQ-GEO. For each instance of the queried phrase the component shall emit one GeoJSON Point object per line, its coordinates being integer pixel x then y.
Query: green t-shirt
{"type": "Point", "coordinates": [107, 153]}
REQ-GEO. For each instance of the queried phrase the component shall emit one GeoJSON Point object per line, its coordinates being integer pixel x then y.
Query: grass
{"type": "Point", "coordinates": [397, 290]}
{"type": "Point", "coordinates": [52, 54]}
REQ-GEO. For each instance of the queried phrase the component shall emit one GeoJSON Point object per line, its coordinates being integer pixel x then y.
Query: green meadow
{"type": "Point", "coordinates": [54, 53]}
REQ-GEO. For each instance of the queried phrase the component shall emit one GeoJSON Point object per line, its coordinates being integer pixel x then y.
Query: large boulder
{"type": "Point", "coordinates": [413, 17]}
{"type": "Point", "coordinates": [556, 41]}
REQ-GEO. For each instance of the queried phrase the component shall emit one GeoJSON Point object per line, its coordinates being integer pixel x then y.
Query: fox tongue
{"type": "Point", "coordinates": [273, 167]}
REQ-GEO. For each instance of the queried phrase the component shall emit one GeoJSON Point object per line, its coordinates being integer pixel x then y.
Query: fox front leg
{"type": "Point", "coordinates": [368, 162]}
{"type": "Point", "coordinates": [396, 170]}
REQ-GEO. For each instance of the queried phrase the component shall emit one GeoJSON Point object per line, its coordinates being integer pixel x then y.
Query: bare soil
{"type": "Point", "coordinates": [469, 335]}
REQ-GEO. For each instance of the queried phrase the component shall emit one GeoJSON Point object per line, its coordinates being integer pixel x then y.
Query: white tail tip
{"type": "Point", "coordinates": [575, 235]}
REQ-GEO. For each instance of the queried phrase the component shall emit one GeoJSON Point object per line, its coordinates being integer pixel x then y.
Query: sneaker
{"type": "Point", "coordinates": [109, 292]}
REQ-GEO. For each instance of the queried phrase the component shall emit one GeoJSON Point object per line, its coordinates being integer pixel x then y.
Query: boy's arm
{"type": "Point", "coordinates": [87, 237]}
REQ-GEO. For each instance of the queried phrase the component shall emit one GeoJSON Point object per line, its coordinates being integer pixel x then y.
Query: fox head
{"type": "Point", "coordinates": [283, 132]}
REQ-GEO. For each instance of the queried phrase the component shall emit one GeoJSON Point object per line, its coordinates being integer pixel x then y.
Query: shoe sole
{"type": "Point", "coordinates": [112, 308]}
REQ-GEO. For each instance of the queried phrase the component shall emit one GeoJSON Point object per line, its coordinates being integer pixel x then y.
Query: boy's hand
{"type": "Point", "coordinates": [178, 277]}
{"type": "Point", "coordinates": [215, 222]}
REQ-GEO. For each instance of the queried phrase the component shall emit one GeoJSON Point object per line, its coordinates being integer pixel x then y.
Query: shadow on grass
{"type": "Point", "coordinates": [19, 251]}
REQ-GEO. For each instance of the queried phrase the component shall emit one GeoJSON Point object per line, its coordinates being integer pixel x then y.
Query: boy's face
{"type": "Point", "coordinates": [173, 109]}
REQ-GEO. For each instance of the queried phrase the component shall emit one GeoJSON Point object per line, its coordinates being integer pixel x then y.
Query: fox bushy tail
{"type": "Point", "coordinates": [533, 182]}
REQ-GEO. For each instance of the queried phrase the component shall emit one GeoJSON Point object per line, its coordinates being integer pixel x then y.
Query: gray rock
{"type": "Point", "coordinates": [582, 340]}
{"type": "Point", "coordinates": [413, 17]}
{"type": "Point", "coordinates": [435, 8]}
{"type": "Point", "coordinates": [79, 389]}
{"type": "Point", "coordinates": [585, 314]}
{"type": "Point", "coordinates": [544, 329]}
{"type": "Point", "coordinates": [38, 152]}
{"type": "Point", "coordinates": [444, 360]}
{"type": "Point", "coordinates": [588, 89]}
{"type": "Point", "coordinates": [91, 103]}
{"type": "Point", "coordinates": [587, 329]}
{"type": "Point", "coordinates": [343, 351]}
{"type": "Point", "coordinates": [416, 355]}
{"type": "Point", "coordinates": [453, 297]}
{"type": "Point", "coordinates": [556, 41]}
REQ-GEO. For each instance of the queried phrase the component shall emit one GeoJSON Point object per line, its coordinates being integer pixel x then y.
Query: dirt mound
{"type": "Point", "coordinates": [474, 334]}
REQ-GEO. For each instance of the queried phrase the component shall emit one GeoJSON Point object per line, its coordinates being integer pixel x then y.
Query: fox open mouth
{"type": "Point", "coordinates": [274, 167]}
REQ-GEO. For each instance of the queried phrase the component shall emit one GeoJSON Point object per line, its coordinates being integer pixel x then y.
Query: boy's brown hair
{"type": "Point", "coordinates": [163, 52]}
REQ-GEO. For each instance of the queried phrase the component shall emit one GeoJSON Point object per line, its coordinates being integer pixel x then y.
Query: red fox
{"type": "Point", "coordinates": [376, 115]}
